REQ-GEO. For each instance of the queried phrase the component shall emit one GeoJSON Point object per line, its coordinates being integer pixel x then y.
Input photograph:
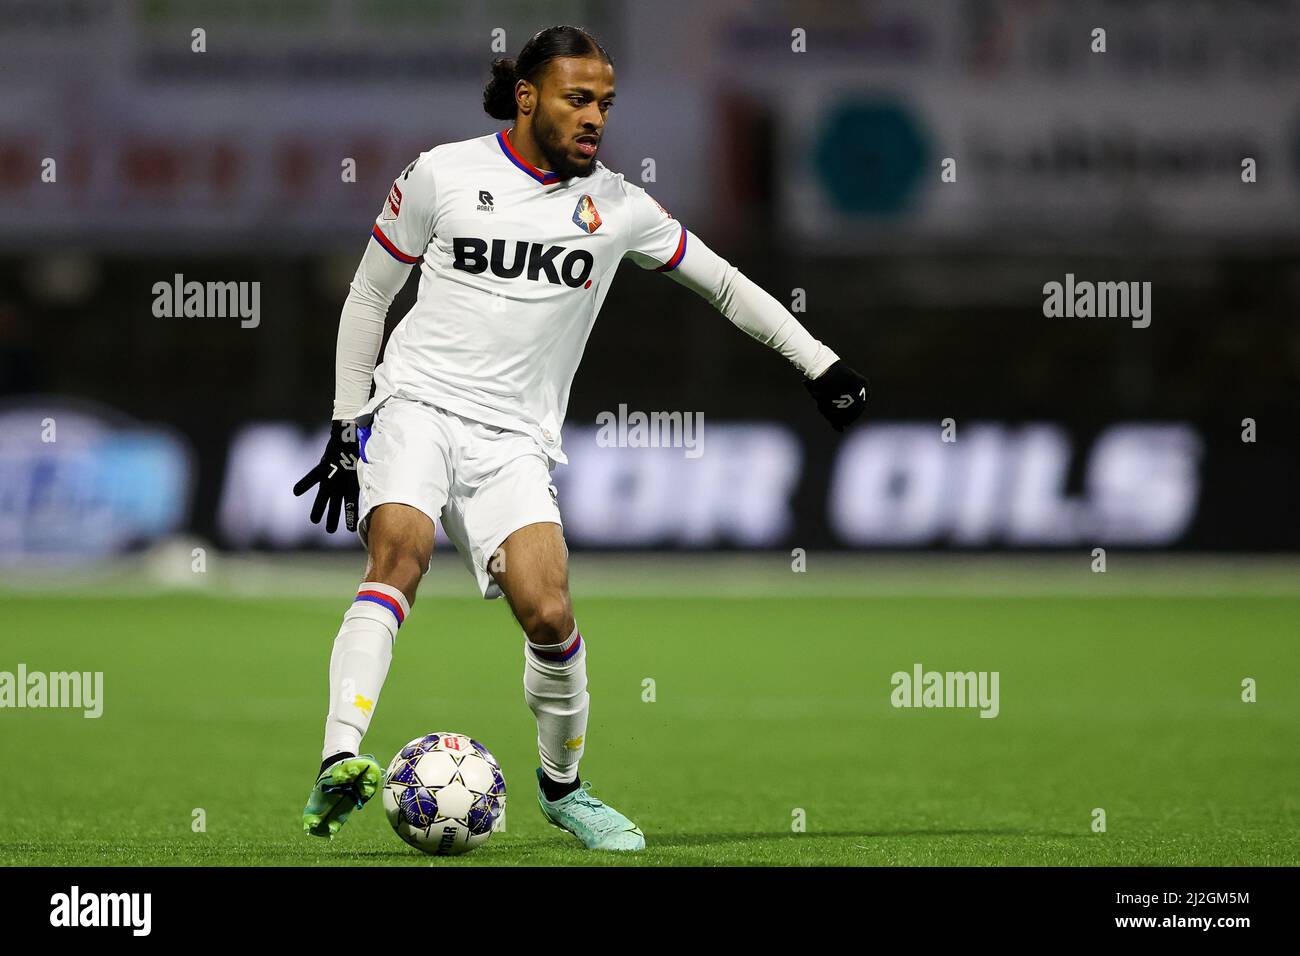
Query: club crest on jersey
{"type": "Point", "coordinates": [393, 207]}
{"type": "Point", "coordinates": [585, 215]}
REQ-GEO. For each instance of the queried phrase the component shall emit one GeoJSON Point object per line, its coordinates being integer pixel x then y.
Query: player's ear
{"type": "Point", "coordinates": [525, 96]}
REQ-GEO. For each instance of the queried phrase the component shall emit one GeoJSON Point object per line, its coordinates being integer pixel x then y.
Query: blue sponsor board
{"type": "Point", "coordinates": [80, 482]}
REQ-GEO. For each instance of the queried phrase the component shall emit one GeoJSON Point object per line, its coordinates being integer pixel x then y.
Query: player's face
{"type": "Point", "coordinates": [572, 106]}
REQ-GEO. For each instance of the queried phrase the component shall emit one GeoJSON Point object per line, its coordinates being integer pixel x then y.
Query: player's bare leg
{"type": "Point", "coordinates": [534, 577]}
{"type": "Point", "coordinates": [400, 545]}
{"type": "Point", "coordinates": [533, 573]}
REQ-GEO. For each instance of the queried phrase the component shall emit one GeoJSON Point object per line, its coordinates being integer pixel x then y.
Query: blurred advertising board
{"type": "Point", "coordinates": [79, 481]}
{"type": "Point", "coordinates": [888, 485]}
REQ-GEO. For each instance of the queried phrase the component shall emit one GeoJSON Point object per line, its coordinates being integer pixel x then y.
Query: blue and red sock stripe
{"type": "Point", "coordinates": [378, 235]}
{"type": "Point", "coordinates": [558, 656]}
{"type": "Point", "coordinates": [384, 600]}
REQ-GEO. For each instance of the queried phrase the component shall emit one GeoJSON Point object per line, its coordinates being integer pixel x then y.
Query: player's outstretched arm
{"type": "Point", "coordinates": [840, 392]}
{"type": "Point", "coordinates": [361, 331]}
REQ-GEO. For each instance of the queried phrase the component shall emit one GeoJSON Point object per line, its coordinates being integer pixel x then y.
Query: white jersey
{"type": "Point", "coordinates": [514, 266]}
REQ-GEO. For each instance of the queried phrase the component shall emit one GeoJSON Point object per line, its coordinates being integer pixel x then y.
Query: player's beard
{"type": "Point", "coordinates": [555, 146]}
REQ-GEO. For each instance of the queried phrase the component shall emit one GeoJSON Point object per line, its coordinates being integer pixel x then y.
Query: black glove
{"type": "Point", "coordinates": [337, 476]}
{"type": "Point", "coordinates": [841, 394]}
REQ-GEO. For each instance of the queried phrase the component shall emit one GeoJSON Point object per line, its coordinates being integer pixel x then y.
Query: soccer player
{"type": "Point", "coordinates": [518, 235]}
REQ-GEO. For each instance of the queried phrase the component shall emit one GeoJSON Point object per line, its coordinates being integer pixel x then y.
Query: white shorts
{"type": "Point", "coordinates": [483, 483]}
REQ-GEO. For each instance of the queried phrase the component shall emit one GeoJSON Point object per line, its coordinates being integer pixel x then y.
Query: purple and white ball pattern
{"type": "Point", "coordinates": [443, 793]}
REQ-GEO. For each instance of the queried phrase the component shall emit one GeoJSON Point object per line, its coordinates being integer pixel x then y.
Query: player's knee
{"type": "Point", "coordinates": [549, 620]}
{"type": "Point", "coordinates": [399, 561]}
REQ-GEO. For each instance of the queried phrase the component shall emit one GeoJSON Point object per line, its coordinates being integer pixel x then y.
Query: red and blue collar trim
{"type": "Point", "coordinates": [543, 177]}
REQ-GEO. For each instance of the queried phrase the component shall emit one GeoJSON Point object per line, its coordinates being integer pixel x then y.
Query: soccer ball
{"type": "Point", "coordinates": [444, 793]}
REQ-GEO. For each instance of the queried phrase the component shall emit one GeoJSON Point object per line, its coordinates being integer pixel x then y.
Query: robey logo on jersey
{"type": "Point", "coordinates": [554, 264]}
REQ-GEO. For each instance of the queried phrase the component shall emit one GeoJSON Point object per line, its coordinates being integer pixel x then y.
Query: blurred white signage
{"type": "Point", "coordinates": [891, 485]}
{"type": "Point", "coordinates": [899, 485]}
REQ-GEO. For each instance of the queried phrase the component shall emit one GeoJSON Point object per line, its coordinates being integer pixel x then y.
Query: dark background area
{"type": "Point", "coordinates": [941, 309]}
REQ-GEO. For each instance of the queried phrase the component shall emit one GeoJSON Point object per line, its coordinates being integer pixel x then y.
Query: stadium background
{"type": "Point", "coordinates": [816, 171]}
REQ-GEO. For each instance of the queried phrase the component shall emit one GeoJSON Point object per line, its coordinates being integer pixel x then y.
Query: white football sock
{"type": "Point", "coordinates": [359, 663]}
{"type": "Point", "coordinates": [555, 686]}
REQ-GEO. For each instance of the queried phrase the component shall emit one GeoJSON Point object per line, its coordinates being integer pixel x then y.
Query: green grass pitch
{"type": "Point", "coordinates": [762, 706]}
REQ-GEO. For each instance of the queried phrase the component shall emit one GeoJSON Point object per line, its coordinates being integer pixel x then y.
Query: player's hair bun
{"type": "Point", "coordinates": [499, 95]}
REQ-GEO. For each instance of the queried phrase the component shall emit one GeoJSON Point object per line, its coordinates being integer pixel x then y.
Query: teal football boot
{"type": "Point", "coordinates": [598, 825]}
{"type": "Point", "coordinates": [342, 787]}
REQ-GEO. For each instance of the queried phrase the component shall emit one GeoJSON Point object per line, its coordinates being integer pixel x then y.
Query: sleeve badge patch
{"type": "Point", "coordinates": [393, 205]}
